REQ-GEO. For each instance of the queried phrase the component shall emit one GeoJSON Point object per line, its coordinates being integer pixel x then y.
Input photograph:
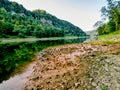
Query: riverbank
{"type": "Point", "coordinates": [87, 66]}
{"type": "Point", "coordinates": [17, 55]}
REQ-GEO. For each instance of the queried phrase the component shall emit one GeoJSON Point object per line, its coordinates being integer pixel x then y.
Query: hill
{"type": "Point", "coordinates": [15, 20]}
{"type": "Point", "coordinates": [92, 33]}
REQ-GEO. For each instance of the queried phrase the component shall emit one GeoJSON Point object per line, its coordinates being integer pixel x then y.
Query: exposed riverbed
{"type": "Point", "coordinates": [20, 51]}
{"type": "Point", "coordinates": [86, 66]}
{"type": "Point", "coordinates": [77, 67]}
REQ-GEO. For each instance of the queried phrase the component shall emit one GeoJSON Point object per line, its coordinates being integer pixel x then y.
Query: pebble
{"type": "Point", "coordinates": [91, 79]}
{"type": "Point", "coordinates": [77, 84]}
{"type": "Point", "coordinates": [107, 60]}
{"type": "Point", "coordinates": [100, 73]}
{"type": "Point", "coordinates": [106, 69]}
{"type": "Point", "coordinates": [98, 88]}
{"type": "Point", "coordinates": [94, 84]}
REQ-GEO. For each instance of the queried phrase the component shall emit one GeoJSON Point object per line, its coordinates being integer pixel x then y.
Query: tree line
{"type": "Point", "coordinates": [111, 14]}
{"type": "Point", "coordinates": [15, 20]}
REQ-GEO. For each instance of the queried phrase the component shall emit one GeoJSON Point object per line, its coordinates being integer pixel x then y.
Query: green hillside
{"type": "Point", "coordinates": [16, 21]}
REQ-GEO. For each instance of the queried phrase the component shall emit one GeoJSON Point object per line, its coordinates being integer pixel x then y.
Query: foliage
{"type": "Point", "coordinates": [15, 20]}
{"type": "Point", "coordinates": [104, 87]}
{"type": "Point", "coordinates": [6, 28]}
{"type": "Point", "coordinates": [110, 35]}
{"type": "Point", "coordinates": [112, 13]}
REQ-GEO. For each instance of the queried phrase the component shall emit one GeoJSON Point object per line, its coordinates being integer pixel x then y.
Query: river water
{"type": "Point", "coordinates": [17, 82]}
{"type": "Point", "coordinates": [11, 54]}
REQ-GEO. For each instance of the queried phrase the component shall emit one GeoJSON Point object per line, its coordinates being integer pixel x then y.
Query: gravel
{"type": "Point", "coordinates": [77, 67]}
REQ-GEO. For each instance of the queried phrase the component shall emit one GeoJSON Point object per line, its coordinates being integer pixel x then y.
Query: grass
{"type": "Point", "coordinates": [104, 87]}
{"type": "Point", "coordinates": [107, 39]}
{"type": "Point", "coordinates": [111, 35]}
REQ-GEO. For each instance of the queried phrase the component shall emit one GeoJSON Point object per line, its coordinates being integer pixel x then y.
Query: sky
{"type": "Point", "coordinates": [81, 13]}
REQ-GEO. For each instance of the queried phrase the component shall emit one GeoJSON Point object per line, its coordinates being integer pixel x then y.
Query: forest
{"type": "Point", "coordinates": [16, 21]}
{"type": "Point", "coordinates": [80, 63]}
{"type": "Point", "coordinates": [110, 18]}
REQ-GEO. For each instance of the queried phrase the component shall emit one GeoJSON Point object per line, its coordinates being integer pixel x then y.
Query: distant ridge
{"type": "Point", "coordinates": [38, 23]}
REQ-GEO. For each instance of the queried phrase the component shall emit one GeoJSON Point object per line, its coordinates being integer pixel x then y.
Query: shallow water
{"type": "Point", "coordinates": [17, 82]}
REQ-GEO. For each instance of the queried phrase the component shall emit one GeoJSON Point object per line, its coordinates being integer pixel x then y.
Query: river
{"type": "Point", "coordinates": [14, 53]}
{"type": "Point", "coordinates": [17, 82]}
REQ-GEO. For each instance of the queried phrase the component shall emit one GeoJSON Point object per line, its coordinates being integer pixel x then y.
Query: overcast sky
{"type": "Point", "coordinates": [82, 13]}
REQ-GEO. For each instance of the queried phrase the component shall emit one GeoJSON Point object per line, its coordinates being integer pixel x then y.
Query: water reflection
{"type": "Point", "coordinates": [14, 54]}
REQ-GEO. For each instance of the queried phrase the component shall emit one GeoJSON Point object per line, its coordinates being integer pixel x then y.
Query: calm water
{"type": "Point", "coordinates": [13, 54]}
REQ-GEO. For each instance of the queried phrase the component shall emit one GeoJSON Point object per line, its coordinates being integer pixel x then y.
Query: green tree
{"type": "Point", "coordinates": [5, 29]}
{"type": "Point", "coordinates": [112, 13]}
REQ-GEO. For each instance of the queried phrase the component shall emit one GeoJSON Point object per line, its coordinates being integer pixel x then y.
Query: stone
{"type": "Point", "coordinates": [77, 84]}
{"type": "Point", "coordinates": [107, 60]}
{"type": "Point", "coordinates": [94, 84]}
{"type": "Point", "coordinates": [98, 88]}
{"type": "Point", "coordinates": [106, 69]}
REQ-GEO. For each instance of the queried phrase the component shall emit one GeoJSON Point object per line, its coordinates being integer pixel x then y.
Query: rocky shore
{"type": "Point", "coordinates": [84, 66]}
